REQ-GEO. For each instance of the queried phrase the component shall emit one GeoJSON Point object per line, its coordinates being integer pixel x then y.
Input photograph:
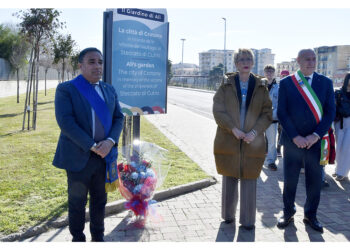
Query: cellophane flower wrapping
{"type": "Point", "coordinates": [144, 168]}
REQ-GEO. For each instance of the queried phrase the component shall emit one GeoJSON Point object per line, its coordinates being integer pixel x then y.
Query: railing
{"type": "Point", "coordinates": [197, 82]}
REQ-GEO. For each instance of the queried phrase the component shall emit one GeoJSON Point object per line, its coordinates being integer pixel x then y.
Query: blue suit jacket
{"type": "Point", "coordinates": [73, 115]}
{"type": "Point", "coordinates": [294, 114]}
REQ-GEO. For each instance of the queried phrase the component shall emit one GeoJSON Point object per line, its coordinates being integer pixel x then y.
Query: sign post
{"type": "Point", "coordinates": [136, 54]}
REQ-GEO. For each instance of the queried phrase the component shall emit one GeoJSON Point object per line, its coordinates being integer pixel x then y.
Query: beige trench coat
{"type": "Point", "coordinates": [234, 157]}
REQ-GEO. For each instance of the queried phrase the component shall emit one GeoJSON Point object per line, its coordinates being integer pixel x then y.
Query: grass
{"type": "Point", "coordinates": [32, 191]}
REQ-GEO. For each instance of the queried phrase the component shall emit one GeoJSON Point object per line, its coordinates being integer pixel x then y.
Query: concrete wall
{"type": "Point", "coordinates": [7, 75]}
{"type": "Point", "coordinates": [4, 69]}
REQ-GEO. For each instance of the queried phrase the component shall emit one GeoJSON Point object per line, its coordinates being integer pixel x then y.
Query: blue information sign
{"type": "Point", "coordinates": [139, 59]}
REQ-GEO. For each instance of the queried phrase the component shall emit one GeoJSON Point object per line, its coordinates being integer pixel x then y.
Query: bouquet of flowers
{"type": "Point", "coordinates": [140, 174]}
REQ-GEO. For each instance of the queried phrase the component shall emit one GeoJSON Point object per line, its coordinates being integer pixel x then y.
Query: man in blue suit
{"type": "Point", "coordinates": [89, 116]}
{"type": "Point", "coordinates": [306, 109]}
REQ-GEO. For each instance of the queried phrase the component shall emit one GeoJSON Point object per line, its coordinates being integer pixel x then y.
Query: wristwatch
{"type": "Point", "coordinates": [93, 146]}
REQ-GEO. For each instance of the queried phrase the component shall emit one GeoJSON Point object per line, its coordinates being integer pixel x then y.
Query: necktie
{"type": "Point", "coordinates": [307, 78]}
{"type": "Point", "coordinates": [99, 129]}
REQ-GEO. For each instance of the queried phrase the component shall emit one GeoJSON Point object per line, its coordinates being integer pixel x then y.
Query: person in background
{"type": "Point", "coordinates": [284, 73]}
{"type": "Point", "coordinates": [342, 131]}
{"type": "Point", "coordinates": [242, 111]}
{"type": "Point", "coordinates": [306, 110]}
{"type": "Point", "coordinates": [324, 181]}
{"type": "Point", "coordinates": [271, 132]}
{"type": "Point", "coordinates": [89, 116]}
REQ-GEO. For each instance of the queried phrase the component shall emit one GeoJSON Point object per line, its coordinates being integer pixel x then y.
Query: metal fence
{"type": "Point", "coordinates": [197, 82]}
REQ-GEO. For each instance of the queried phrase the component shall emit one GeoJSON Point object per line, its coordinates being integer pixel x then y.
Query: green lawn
{"type": "Point", "coordinates": [32, 191]}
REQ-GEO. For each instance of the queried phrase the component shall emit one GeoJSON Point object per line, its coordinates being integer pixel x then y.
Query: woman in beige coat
{"type": "Point", "coordinates": [243, 111]}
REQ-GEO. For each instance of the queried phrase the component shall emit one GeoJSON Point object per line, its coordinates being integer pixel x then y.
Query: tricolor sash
{"type": "Point", "coordinates": [315, 106]}
{"type": "Point", "coordinates": [101, 110]}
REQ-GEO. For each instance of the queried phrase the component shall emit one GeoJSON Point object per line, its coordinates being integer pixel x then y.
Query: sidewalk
{"type": "Point", "coordinates": [196, 216]}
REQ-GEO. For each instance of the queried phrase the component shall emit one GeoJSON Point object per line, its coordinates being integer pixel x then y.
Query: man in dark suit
{"type": "Point", "coordinates": [89, 116]}
{"type": "Point", "coordinates": [305, 113]}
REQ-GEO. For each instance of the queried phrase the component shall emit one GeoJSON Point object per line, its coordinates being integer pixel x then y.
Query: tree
{"type": "Point", "coordinates": [215, 75]}
{"type": "Point", "coordinates": [74, 61]}
{"type": "Point", "coordinates": [63, 49]}
{"type": "Point", "coordinates": [37, 25]}
{"type": "Point", "coordinates": [14, 49]}
{"type": "Point", "coordinates": [18, 57]}
{"type": "Point", "coordinates": [69, 70]}
{"type": "Point", "coordinates": [170, 73]}
{"type": "Point", "coordinates": [58, 68]}
{"type": "Point", "coordinates": [7, 39]}
{"type": "Point", "coordinates": [46, 61]}
{"type": "Point", "coordinates": [217, 70]}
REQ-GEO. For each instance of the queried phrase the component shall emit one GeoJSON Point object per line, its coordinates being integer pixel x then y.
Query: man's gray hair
{"type": "Point", "coordinates": [303, 51]}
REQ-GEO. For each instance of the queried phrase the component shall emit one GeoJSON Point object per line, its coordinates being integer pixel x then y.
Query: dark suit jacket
{"type": "Point", "coordinates": [73, 115]}
{"type": "Point", "coordinates": [294, 114]}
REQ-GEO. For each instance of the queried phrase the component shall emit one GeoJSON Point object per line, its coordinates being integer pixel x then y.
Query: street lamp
{"type": "Point", "coordinates": [224, 71]}
{"type": "Point", "coordinates": [182, 60]}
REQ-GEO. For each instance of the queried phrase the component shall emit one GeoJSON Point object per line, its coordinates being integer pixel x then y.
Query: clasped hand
{"type": "Point", "coordinates": [103, 148]}
{"type": "Point", "coordinates": [240, 135]}
{"type": "Point", "coordinates": [305, 142]}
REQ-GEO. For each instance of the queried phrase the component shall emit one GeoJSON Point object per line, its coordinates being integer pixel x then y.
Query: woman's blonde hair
{"type": "Point", "coordinates": [242, 52]}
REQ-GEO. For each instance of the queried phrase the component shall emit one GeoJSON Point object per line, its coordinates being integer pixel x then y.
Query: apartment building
{"type": "Point", "coordinates": [262, 58]}
{"type": "Point", "coordinates": [291, 66]}
{"type": "Point", "coordinates": [333, 62]}
{"type": "Point", "coordinates": [213, 57]}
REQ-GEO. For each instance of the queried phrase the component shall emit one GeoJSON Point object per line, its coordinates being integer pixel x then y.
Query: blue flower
{"type": "Point", "coordinates": [142, 174]}
{"type": "Point", "coordinates": [134, 176]}
{"type": "Point", "coordinates": [142, 168]}
{"type": "Point", "coordinates": [137, 189]}
{"type": "Point", "coordinates": [150, 173]}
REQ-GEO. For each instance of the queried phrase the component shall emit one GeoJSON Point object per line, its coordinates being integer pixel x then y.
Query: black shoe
{"type": "Point", "coordinates": [80, 238]}
{"type": "Point", "coordinates": [229, 221]}
{"type": "Point", "coordinates": [272, 166]}
{"type": "Point", "coordinates": [251, 227]}
{"type": "Point", "coordinates": [284, 222]}
{"type": "Point", "coordinates": [313, 224]}
{"type": "Point", "coordinates": [97, 239]}
{"type": "Point", "coordinates": [340, 178]}
{"type": "Point", "coordinates": [325, 184]}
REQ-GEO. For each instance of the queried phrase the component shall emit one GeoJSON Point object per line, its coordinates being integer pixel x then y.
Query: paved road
{"type": "Point", "coordinates": [196, 216]}
{"type": "Point", "coordinates": [200, 102]}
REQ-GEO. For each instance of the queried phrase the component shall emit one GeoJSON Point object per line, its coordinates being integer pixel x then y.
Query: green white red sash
{"type": "Point", "coordinates": [315, 106]}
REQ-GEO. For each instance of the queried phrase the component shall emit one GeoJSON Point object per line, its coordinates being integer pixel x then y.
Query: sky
{"type": "Point", "coordinates": [269, 25]}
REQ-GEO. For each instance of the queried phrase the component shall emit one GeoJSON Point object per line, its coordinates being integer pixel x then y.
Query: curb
{"type": "Point", "coordinates": [111, 208]}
